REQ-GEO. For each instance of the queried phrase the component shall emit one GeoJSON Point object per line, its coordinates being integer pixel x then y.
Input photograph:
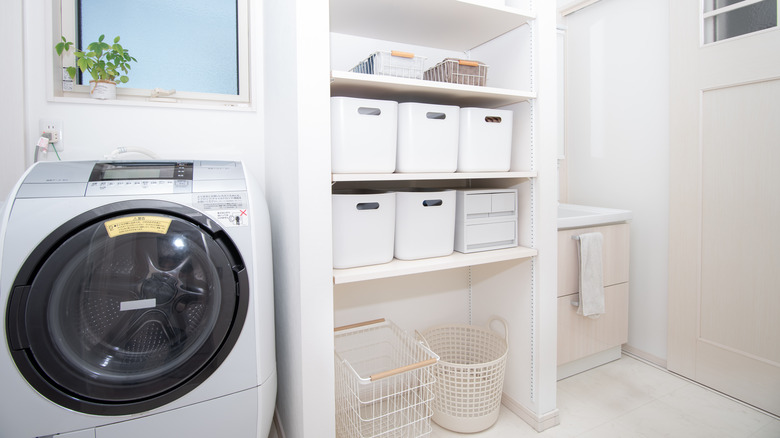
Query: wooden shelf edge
{"type": "Point", "coordinates": [343, 177]}
{"type": "Point", "coordinates": [397, 268]}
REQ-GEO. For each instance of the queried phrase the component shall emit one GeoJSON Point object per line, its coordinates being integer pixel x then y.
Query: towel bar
{"type": "Point", "coordinates": [575, 237]}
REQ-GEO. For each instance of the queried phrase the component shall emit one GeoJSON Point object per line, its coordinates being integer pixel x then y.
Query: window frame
{"type": "Point", "coordinates": [65, 22]}
{"type": "Point", "coordinates": [705, 24]}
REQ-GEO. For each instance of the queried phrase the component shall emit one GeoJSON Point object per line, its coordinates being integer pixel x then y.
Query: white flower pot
{"type": "Point", "coordinates": [102, 89]}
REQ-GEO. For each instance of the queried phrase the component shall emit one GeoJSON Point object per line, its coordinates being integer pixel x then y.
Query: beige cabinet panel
{"type": "Point", "coordinates": [615, 251]}
{"type": "Point", "coordinates": [580, 336]}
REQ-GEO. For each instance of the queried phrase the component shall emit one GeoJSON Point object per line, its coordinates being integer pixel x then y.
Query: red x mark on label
{"type": "Point", "coordinates": [243, 212]}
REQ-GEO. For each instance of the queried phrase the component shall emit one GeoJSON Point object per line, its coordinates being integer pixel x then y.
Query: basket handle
{"type": "Point", "coordinates": [401, 54]}
{"type": "Point", "coordinates": [469, 63]}
{"type": "Point", "coordinates": [358, 324]}
{"type": "Point", "coordinates": [403, 369]}
{"type": "Point", "coordinates": [503, 322]}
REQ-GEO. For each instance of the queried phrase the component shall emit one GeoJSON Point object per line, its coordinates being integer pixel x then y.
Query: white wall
{"type": "Point", "coordinates": [618, 141]}
{"type": "Point", "coordinates": [297, 109]}
{"type": "Point", "coordinates": [93, 130]}
{"type": "Point", "coordinates": [11, 99]}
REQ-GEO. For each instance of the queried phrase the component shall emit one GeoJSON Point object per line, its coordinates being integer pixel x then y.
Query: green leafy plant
{"type": "Point", "coordinates": [101, 60]}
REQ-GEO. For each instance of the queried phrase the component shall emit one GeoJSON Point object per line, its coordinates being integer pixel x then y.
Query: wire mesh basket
{"type": "Point", "coordinates": [458, 71]}
{"type": "Point", "coordinates": [469, 375]}
{"type": "Point", "coordinates": [393, 63]}
{"type": "Point", "coordinates": [383, 382]}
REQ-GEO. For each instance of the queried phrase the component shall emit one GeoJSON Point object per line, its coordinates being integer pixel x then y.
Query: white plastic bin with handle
{"type": "Point", "coordinates": [363, 228]}
{"type": "Point", "coordinates": [427, 137]}
{"type": "Point", "coordinates": [363, 135]}
{"type": "Point", "coordinates": [424, 223]}
{"type": "Point", "coordinates": [484, 140]}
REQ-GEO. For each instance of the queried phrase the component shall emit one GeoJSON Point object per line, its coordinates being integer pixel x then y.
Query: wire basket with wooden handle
{"type": "Point", "coordinates": [383, 382]}
{"type": "Point", "coordinates": [458, 71]}
{"type": "Point", "coordinates": [392, 63]}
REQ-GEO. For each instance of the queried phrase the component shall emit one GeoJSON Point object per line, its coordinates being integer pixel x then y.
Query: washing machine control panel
{"type": "Point", "coordinates": [135, 187]}
{"type": "Point", "coordinates": [132, 178]}
{"type": "Point", "coordinates": [110, 178]}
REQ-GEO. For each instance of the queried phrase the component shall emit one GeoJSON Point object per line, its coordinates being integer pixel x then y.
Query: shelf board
{"type": "Point", "coordinates": [342, 177]}
{"type": "Point", "coordinates": [446, 24]}
{"type": "Point", "coordinates": [397, 268]}
{"type": "Point", "coordinates": [351, 84]}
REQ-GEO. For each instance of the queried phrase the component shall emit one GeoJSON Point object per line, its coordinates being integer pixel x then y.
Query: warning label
{"type": "Point", "coordinates": [137, 224]}
{"type": "Point", "coordinates": [220, 201]}
{"type": "Point", "coordinates": [233, 217]}
{"type": "Point", "coordinates": [230, 209]}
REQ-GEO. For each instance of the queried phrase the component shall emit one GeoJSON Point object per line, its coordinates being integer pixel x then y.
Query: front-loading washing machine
{"type": "Point", "coordinates": [137, 302]}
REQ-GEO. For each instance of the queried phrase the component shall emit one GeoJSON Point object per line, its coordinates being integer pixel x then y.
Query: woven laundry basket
{"type": "Point", "coordinates": [469, 374]}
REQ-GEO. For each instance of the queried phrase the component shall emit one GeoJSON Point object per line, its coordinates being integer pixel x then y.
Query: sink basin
{"type": "Point", "coordinates": [573, 216]}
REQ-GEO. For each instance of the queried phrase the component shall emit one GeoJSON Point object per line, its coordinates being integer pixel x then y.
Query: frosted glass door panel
{"type": "Point", "coordinates": [741, 21]}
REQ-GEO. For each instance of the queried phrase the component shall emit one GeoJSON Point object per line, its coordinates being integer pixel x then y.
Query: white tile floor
{"type": "Point", "coordinates": [630, 398]}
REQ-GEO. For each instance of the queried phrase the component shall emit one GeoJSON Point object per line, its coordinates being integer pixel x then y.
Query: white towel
{"type": "Point", "coordinates": [591, 275]}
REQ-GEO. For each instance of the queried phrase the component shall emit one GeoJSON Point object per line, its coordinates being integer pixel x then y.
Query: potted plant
{"type": "Point", "coordinates": [106, 63]}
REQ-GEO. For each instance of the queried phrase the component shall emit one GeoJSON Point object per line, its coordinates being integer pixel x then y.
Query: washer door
{"type": "Point", "coordinates": [124, 309]}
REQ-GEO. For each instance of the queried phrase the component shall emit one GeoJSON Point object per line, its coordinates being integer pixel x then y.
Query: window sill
{"type": "Point", "coordinates": [145, 102]}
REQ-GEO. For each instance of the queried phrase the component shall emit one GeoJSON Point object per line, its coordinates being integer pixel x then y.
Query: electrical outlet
{"type": "Point", "coordinates": [54, 128]}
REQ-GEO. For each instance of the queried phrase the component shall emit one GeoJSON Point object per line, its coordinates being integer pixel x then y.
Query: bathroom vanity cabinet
{"type": "Point", "coordinates": [584, 342]}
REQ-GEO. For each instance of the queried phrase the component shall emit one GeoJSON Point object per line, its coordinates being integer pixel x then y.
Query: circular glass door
{"type": "Point", "coordinates": [125, 313]}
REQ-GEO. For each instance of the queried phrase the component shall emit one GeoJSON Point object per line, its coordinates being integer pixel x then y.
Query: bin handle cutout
{"type": "Point", "coordinates": [367, 206]}
{"type": "Point", "coordinates": [432, 203]}
{"type": "Point", "coordinates": [436, 116]}
{"type": "Point", "coordinates": [367, 111]}
{"type": "Point", "coordinates": [493, 119]}
{"type": "Point", "coordinates": [401, 54]}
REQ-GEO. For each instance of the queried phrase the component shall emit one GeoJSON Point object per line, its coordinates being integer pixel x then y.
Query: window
{"type": "Point", "coordinates": [199, 48]}
{"type": "Point", "coordinates": [724, 19]}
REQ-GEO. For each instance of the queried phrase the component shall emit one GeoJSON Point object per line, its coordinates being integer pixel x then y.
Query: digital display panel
{"type": "Point", "coordinates": [138, 173]}
{"type": "Point", "coordinates": [113, 171]}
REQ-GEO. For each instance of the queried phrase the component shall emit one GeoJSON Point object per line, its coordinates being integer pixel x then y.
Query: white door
{"type": "Point", "coordinates": [724, 263]}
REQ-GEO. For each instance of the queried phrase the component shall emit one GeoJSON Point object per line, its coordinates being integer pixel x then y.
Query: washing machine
{"type": "Point", "coordinates": [137, 302]}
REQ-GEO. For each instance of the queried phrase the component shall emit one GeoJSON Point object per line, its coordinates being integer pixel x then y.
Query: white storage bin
{"type": "Point", "coordinates": [424, 223]}
{"type": "Point", "coordinates": [363, 135]}
{"type": "Point", "coordinates": [485, 140]}
{"type": "Point", "coordinates": [363, 228]}
{"type": "Point", "coordinates": [427, 138]}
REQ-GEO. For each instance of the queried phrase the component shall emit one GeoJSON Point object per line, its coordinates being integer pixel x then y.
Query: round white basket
{"type": "Point", "coordinates": [469, 375]}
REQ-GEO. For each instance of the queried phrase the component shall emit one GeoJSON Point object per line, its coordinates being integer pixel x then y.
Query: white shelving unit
{"type": "Point", "coordinates": [478, 285]}
{"type": "Point", "coordinates": [307, 58]}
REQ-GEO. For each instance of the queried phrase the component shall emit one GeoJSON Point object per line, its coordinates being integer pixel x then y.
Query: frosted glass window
{"type": "Point", "coordinates": [725, 19]}
{"type": "Point", "coordinates": [711, 5]}
{"type": "Point", "coordinates": [186, 45]}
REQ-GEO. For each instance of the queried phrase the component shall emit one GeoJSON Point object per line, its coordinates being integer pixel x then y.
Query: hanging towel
{"type": "Point", "coordinates": [591, 275]}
